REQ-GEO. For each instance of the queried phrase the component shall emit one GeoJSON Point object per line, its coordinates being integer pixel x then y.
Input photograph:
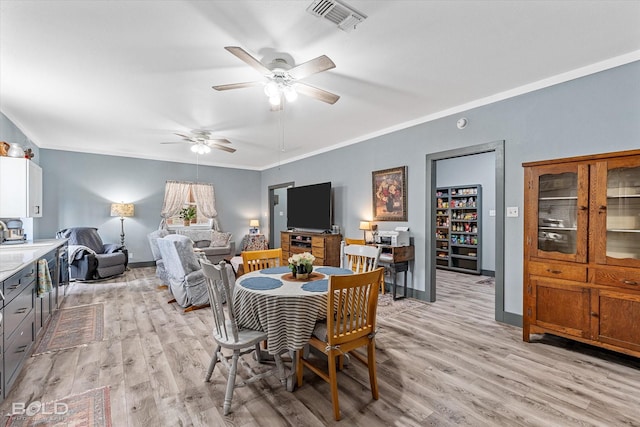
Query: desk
{"type": "Point", "coordinates": [287, 313]}
{"type": "Point", "coordinates": [396, 259]}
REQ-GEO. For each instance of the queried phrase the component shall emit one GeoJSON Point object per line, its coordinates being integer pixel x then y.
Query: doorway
{"type": "Point", "coordinates": [431, 184]}
{"type": "Point", "coordinates": [277, 212]}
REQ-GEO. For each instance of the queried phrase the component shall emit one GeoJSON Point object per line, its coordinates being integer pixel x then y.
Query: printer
{"type": "Point", "coordinates": [393, 238]}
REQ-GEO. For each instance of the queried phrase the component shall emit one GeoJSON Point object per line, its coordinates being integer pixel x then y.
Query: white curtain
{"type": "Point", "coordinates": [175, 194]}
{"type": "Point", "coordinates": [205, 200]}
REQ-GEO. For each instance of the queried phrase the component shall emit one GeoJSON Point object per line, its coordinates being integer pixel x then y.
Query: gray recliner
{"type": "Point", "coordinates": [90, 258]}
{"type": "Point", "coordinates": [153, 237]}
{"type": "Point", "coordinates": [186, 279]}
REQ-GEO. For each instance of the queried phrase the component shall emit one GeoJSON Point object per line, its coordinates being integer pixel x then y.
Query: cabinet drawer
{"type": "Point", "coordinates": [317, 252]}
{"type": "Point", "coordinates": [612, 277]}
{"type": "Point", "coordinates": [14, 312]}
{"type": "Point", "coordinates": [558, 271]}
{"type": "Point", "coordinates": [16, 350]}
{"type": "Point", "coordinates": [16, 283]}
{"type": "Point", "coordinates": [317, 242]}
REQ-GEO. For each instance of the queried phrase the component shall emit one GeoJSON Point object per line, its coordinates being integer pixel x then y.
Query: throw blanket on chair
{"type": "Point", "coordinates": [78, 251]}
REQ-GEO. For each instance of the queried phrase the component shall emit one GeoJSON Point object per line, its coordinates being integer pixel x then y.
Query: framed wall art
{"type": "Point", "coordinates": [390, 194]}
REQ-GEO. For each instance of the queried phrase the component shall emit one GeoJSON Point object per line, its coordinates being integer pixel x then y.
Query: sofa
{"type": "Point", "coordinates": [215, 245]}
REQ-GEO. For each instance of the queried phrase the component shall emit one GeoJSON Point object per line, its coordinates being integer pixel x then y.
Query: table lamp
{"type": "Point", "coordinates": [122, 210]}
{"type": "Point", "coordinates": [365, 226]}
{"type": "Point", "coordinates": [254, 224]}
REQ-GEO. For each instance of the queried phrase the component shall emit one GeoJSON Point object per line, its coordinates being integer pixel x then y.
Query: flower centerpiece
{"type": "Point", "coordinates": [301, 265]}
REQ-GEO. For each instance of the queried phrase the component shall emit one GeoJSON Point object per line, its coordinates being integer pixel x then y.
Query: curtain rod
{"type": "Point", "coordinates": [189, 182]}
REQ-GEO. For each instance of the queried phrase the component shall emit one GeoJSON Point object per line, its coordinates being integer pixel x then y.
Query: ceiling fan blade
{"type": "Point", "coordinates": [224, 148]}
{"type": "Point", "coordinates": [317, 65]}
{"type": "Point", "coordinates": [218, 141]}
{"type": "Point", "coordinates": [186, 137]}
{"type": "Point", "coordinates": [250, 60]}
{"type": "Point", "coordinates": [314, 92]}
{"type": "Point", "coordinates": [236, 85]}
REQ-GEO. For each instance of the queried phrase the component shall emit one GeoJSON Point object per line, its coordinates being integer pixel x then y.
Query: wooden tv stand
{"type": "Point", "coordinates": [325, 247]}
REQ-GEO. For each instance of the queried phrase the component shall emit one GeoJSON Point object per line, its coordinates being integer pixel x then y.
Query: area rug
{"type": "Point", "coordinates": [91, 408]}
{"type": "Point", "coordinates": [72, 327]}
{"type": "Point", "coordinates": [387, 307]}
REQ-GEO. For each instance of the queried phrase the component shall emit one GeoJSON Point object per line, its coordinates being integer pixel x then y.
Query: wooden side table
{"type": "Point", "coordinates": [395, 259]}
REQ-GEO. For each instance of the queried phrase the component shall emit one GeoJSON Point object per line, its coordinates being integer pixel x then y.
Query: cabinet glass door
{"type": "Point", "coordinates": [562, 195]}
{"type": "Point", "coordinates": [618, 212]}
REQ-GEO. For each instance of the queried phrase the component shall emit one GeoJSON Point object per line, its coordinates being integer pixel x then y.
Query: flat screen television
{"type": "Point", "coordinates": [309, 207]}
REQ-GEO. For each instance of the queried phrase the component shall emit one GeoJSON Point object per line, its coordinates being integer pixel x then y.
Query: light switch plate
{"type": "Point", "coordinates": [492, 212]}
{"type": "Point", "coordinates": [512, 211]}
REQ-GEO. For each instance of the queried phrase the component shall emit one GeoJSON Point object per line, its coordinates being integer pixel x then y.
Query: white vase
{"type": "Point", "coordinates": [15, 151]}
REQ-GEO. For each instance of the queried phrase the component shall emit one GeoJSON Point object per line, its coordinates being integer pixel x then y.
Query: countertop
{"type": "Point", "coordinates": [14, 257]}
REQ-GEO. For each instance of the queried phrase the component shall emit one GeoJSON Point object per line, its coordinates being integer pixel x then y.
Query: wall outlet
{"type": "Point", "coordinates": [512, 211]}
{"type": "Point", "coordinates": [130, 255]}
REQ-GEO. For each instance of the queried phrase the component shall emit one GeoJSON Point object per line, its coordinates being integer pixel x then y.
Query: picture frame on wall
{"type": "Point", "coordinates": [390, 194]}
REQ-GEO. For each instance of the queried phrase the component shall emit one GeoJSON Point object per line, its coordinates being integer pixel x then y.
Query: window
{"type": "Point", "coordinates": [200, 221]}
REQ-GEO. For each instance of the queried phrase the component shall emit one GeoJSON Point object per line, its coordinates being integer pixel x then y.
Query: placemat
{"type": "Point", "coordinates": [333, 270]}
{"type": "Point", "coordinates": [261, 283]}
{"type": "Point", "coordinates": [317, 286]}
{"type": "Point", "coordinates": [275, 270]}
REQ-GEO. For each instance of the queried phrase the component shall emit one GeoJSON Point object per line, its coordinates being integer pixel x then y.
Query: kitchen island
{"type": "Point", "coordinates": [24, 311]}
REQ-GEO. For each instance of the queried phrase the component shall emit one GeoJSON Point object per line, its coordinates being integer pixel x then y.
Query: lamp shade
{"type": "Point", "coordinates": [365, 225]}
{"type": "Point", "coordinates": [122, 209]}
{"type": "Point", "coordinates": [254, 223]}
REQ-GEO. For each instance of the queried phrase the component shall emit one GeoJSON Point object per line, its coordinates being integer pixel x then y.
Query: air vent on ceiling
{"type": "Point", "coordinates": [345, 17]}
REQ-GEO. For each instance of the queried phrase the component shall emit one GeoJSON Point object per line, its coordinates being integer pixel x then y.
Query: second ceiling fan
{"type": "Point", "coordinates": [283, 79]}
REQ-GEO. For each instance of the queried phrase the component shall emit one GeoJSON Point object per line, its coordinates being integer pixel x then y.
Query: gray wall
{"type": "Point", "coordinates": [476, 169]}
{"type": "Point", "coordinates": [79, 189]}
{"type": "Point", "coordinates": [593, 114]}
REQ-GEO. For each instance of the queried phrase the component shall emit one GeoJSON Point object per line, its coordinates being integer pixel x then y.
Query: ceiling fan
{"type": "Point", "coordinates": [283, 80]}
{"type": "Point", "coordinates": [202, 142]}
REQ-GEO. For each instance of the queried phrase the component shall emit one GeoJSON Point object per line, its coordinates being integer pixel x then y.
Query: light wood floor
{"type": "Point", "coordinates": [441, 364]}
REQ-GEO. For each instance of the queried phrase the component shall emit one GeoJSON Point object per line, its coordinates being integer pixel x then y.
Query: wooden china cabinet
{"type": "Point", "coordinates": [582, 250]}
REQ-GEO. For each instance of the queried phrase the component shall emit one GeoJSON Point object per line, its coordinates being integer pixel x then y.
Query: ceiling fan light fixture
{"type": "Point", "coordinates": [290, 93]}
{"type": "Point", "coordinates": [200, 148]}
{"type": "Point", "coordinates": [275, 100]}
{"type": "Point", "coordinates": [271, 89]}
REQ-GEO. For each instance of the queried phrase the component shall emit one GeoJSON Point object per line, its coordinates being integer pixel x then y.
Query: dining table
{"type": "Point", "coordinates": [287, 308]}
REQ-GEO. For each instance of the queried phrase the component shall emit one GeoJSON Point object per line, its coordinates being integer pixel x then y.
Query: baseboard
{"type": "Point", "coordinates": [142, 264]}
{"type": "Point", "coordinates": [489, 273]}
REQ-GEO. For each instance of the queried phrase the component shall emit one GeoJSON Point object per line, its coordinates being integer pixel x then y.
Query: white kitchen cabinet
{"type": "Point", "coordinates": [20, 188]}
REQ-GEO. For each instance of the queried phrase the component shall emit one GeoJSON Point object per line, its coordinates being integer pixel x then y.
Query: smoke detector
{"type": "Point", "coordinates": [342, 15]}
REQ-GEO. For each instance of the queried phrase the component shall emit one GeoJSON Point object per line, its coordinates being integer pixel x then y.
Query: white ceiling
{"type": "Point", "coordinates": [119, 77]}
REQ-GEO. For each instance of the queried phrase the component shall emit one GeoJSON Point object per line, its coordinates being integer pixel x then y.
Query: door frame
{"type": "Point", "coordinates": [270, 197]}
{"type": "Point", "coordinates": [430, 209]}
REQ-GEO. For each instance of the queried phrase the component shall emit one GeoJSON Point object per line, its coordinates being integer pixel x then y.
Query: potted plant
{"type": "Point", "coordinates": [301, 265]}
{"type": "Point", "coordinates": [188, 214]}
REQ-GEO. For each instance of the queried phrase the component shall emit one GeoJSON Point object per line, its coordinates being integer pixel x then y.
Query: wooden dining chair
{"type": "Point", "coordinates": [227, 334]}
{"type": "Point", "coordinates": [257, 260]}
{"type": "Point", "coordinates": [348, 241]}
{"type": "Point", "coordinates": [352, 301]}
{"type": "Point", "coordinates": [361, 258]}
